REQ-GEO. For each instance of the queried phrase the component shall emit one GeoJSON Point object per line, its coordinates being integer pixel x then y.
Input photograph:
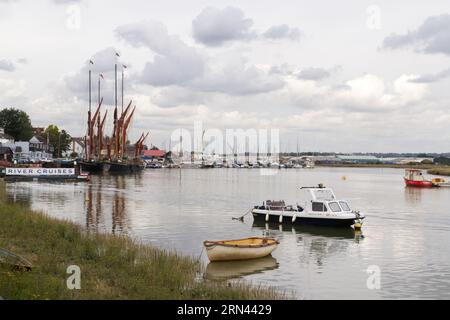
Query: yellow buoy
{"type": "Point", "coordinates": [344, 178]}
{"type": "Point", "coordinates": [357, 226]}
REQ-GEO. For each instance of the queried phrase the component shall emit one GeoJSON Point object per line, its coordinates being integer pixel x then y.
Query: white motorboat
{"type": "Point", "coordinates": [318, 206]}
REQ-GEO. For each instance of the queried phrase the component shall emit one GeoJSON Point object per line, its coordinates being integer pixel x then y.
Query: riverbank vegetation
{"type": "Point", "coordinates": [442, 171]}
{"type": "Point", "coordinates": [376, 165]}
{"type": "Point", "coordinates": [112, 267]}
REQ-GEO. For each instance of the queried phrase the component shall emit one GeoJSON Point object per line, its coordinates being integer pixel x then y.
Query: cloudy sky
{"type": "Point", "coordinates": [370, 76]}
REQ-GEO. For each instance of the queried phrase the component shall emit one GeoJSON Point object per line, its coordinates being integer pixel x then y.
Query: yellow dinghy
{"type": "Point", "coordinates": [242, 249]}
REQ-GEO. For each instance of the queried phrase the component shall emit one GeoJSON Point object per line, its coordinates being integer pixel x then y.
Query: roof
{"type": "Point", "coordinates": [41, 138]}
{"type": "Point", "coordinates": [154, 153]}
{"type": "Point", "coordinates": [357, 157]}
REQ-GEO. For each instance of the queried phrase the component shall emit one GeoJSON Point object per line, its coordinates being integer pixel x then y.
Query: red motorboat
{"type": "Point", "coordinates": [415, 178]}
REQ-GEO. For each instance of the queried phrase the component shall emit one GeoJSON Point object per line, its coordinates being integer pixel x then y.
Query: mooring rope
{"type": "Point", "coordinates": [242, 217]}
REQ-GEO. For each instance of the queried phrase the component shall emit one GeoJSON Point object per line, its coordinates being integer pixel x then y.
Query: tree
{"type": "Point", "coordinates": [16, 123]}
{"type": "Point", "coordinates": [59, 140]}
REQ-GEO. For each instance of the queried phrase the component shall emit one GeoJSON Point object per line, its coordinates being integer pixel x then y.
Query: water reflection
{"type": "Point", "coordinates": [219, 271]}
{"type": "Point", "coordinates": [317, 242]}
{"type": "Point", "coordinates": [276, 229]}
{"type": "Point", "coordinates": [413, 195]}
{"type": "Point", "coordinates": [101, 206]}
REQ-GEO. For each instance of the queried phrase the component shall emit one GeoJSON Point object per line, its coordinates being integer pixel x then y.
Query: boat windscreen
{"type": "Point", "coordinates": [324, 194]}
{"type": "Point", "coordinates": [344, 206]}
{"type": "Point", "coordinates": [334, 206]}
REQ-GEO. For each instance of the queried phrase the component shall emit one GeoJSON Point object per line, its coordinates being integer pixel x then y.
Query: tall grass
{"type": "Point", "coordinates": [112, 267]}
{"type": "Point", "coordinates": [444, 171]}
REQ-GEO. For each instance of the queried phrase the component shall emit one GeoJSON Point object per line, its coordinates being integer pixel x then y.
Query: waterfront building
{"type": "Point", "coordinates": [5, 138]}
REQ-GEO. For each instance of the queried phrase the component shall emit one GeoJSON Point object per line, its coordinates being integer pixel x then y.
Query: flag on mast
{"type": "Point", "coordinates": [117, 54]}
{"type": "Point", "coordinates": [101, 76]}
{"type": "Point", "coordinates": [91, 62]}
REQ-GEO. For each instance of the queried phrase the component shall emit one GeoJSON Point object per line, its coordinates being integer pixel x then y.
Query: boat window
{"type": "Point", "coordinates": [319, 206]}
{"type": "Point", "coordinates": [334, 206]}
{"type": "Point", "coordinates": [344, 206]}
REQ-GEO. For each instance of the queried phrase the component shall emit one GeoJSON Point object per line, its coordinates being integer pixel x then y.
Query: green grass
{"type": "Point", "coordinates": [444, 171]}
{"type": "Point", "coordinates": [112, 267]}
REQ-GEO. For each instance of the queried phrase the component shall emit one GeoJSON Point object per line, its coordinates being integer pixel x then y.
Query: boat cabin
{"type": "Point", "coordinates": [320, 199]}
{"type": "Point", "coordinates": [414, 175]}
{"type": "Point", "coordinates": [316, 199]}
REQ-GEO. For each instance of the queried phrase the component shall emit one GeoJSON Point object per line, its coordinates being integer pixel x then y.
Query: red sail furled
{"type": "Point", "coordinates": [91, 129]}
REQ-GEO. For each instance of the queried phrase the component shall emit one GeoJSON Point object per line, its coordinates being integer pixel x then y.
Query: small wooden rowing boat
{"type": "Point", "coordinates": [15, 261]}
{"type": "Point", "coordinates": [241, 249]}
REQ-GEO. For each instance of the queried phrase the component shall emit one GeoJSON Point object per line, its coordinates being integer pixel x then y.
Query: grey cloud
{"type": "Point", "coordinates": [282, 31]}
{"type": "Point", "coordinates": [177, 64]}
{"type": "Point", "coordinates": [239, 79]}
{"type": "Point", "coordinates": [433, 36]}
{"type": "Point", "coordinates": [429, 78]}
{"type": "Point", "coordinates": [22, 60]}
{"type": "Point", "coordinates": [174, 62]}
{"type": "Point", "coordinates": [7, 65]}
{"type": "Point", "coordinates": [214, 27]}
{"type": "Point", "coordinates": [313, 74]}
{"type": "Point", "coordinates": [282, 69]}
{"type": "Point", "coordinates": [174, 96]}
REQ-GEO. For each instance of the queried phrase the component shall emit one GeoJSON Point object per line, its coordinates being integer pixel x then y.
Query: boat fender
{"type": "Point", "coordinates": [267, 217]}
{"type": "Point", "coordinates": [281, 218]}
{"type": "Point", "coordinates": [294, 218]}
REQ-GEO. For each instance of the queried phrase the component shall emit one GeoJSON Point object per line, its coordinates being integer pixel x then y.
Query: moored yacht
{"type": "Point", "coordinates": [318, 206]}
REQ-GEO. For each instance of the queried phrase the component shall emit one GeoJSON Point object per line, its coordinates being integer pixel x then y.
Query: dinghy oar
{"type": "Point", "coordinates": [242, 217]}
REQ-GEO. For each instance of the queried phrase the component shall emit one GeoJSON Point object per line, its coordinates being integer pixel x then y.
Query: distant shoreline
{"type": "Point", "coordinates": [431, 169]}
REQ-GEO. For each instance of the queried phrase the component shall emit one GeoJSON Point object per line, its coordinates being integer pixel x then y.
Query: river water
{"type": "Point", "coordinates": [404, 243]}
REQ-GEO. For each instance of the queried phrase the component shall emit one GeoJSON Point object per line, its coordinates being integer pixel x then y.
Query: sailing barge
{"type": "Point", "coordinates": [109, 154]}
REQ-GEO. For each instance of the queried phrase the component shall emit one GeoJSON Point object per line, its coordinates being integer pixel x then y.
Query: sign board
{"type": "Point", "coordinates": [40, 171]}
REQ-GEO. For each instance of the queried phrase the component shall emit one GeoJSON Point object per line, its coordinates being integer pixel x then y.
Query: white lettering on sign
{"type": "Point", "coordinates": [40, 171]}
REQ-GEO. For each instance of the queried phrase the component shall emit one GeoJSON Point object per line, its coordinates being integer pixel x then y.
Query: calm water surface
{"type": "Point", "coordinates": [406, 233]}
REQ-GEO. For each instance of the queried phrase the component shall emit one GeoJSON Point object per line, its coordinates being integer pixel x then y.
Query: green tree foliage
{"type": "Point", "coordinates": [59, 140]}
{"type": "Point", "coordinates": [442, 160]}
{"type": "Point", "coordinates": [16, 123]}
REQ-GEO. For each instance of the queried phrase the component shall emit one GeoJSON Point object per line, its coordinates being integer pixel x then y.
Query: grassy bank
{"type": "Point", "coordinates": [112, 267]}
{"type": "Point", "coordinates": [444, 171]}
